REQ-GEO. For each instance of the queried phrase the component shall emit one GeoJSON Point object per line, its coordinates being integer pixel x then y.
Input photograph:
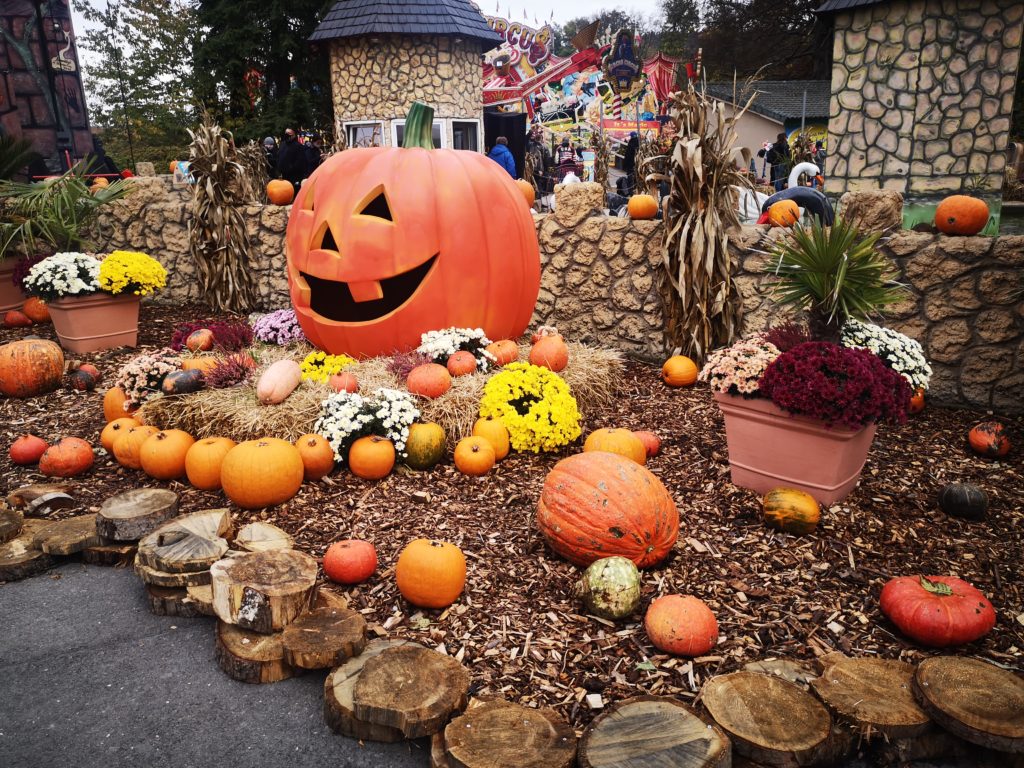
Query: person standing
{"type": "Point", "coordinates": [629, 161]}
{"type": "Point", "coordinates": [314, 153]}
{"type": "Point", "coordinates": [291, 159]}
{"type": "Point", "coordinates": [541, 157]}
{"type": "Point", "coordinates": [270, 152]}
{"type": "Point", "coordinates": [778, 159]}
{"type": "Point", "coordinates": [503, 156]}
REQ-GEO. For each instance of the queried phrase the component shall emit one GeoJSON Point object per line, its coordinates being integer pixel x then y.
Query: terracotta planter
{"type": "Point", "coordinates": [95, 322]}
{"type": "Point", "coordinates": [11, 296]}
{"type": "Point", "coordinates": [769, 448]}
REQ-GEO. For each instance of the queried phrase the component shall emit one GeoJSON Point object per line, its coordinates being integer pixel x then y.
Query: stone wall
{"type": "Point", "coordinates": [922, 95]}
{"type": "Point", "coordinates": [379, 79]}
{"type": "Point", "coordinates": [600, 283]}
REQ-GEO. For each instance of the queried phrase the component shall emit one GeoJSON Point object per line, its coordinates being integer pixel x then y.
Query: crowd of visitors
{"type": "Point", "coordinates": [294, 159]}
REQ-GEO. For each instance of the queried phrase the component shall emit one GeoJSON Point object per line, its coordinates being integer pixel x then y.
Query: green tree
{"type": "Point", "coordinates": [681, 25]}
{"type": "Point", "coordinates": [614, 20]}
{"type": "Point", "coordinates": [140, 76]}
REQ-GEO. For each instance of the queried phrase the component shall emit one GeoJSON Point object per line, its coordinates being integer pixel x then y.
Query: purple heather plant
{"type": "Point", "coordinates": [403, 362]}
{"type": "Point", "coordinates": [228, 335]}
{"type": "Point", "coordinates": [788, 335]}
{"type": "Point", "coordinates": [280, 327]}
{"type": "Point", "coordinates": [840, 386]}
{"type": "Point", "coordinates": [230, 371]}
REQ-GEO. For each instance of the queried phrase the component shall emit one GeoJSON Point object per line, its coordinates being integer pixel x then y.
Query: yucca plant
{"type": "Point", "coordinates": [15, 155]}
{"type": "Point", "coordinates": [834, 274]}
{"type": "Point", "coordinates": [704, 307]}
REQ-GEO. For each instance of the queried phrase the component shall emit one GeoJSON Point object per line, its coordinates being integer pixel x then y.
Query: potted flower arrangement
{"type": "Point", "coordinates": [94, 303]}
{"type": "Point", "coordinates": [801, 406]}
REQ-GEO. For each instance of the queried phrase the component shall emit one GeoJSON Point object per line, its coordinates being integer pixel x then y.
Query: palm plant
{"type": "Point", "coordinates": [15, 154]}
{"type": "Point", "coordinates": [833, 274]}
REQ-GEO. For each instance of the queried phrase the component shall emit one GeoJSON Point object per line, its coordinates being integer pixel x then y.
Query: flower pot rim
{"type": "Point", "coordinates": [94, 296]}
{"type": "Point", "coordinates": [764, 405]}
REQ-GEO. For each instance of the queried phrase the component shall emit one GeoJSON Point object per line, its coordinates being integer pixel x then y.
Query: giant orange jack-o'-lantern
{"type": "Point", "coordinates": [387, 243]}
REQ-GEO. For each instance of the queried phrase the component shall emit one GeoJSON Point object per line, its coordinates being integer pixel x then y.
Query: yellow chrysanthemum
{"type": "Point", "coordinates": [131, 272]}
{"type": "Point", "coordinates": [319, 366]}
{"type": "Point", "coordinates": [535, 405]}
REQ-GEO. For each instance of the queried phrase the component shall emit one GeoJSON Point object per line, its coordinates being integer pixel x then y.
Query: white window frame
{"type": "Point", "coordinates": [437, 121]}
{"type": "Point", "coordinates": [479, 130]}
{"type": "Point", "coordinates": [356, 123]}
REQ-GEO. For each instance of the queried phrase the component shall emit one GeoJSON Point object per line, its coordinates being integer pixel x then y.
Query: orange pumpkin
{"type": "Point", "coordinates": [261, 473]}
{"type": "Point", "coordinates": [162, 456]}
{"type": "Point", "coordinates": [317, 456]}
{"type": "Point", "coordinates": [916, 401]}
{"type": "Point", "coordinates": [30, 367]}
{"type": "Point", "coordinates": [504, 351]}
{"type": "Point", "coordinates": [600, 504]}
{"type": "Point", "coordinates": [961, 215]}
{"type": "Point", "coordinates": [16, 319]}
{"type": "Point", "coordinates": [381, 249]}
{"type": "Point", "coordinates": [791, 510]}
{"type": "Point", "coordinates": [550, 352]}
{"type": "Point", "coordinates": [36, 310]}
{"type": "Point", "coordinates": [91, 369]}
{"type": "Point", "coordinates": [651, 442]}
{"type": "Point", "coordinates": [71, 456]}
{"type": "Point", "coordinates": [280, 192]}
{"type": "Point", "coordinates": [784, 213]}
{"type": "Point", "coordinates": [642, 207]}
{"type": "Point", "coordinates": [114, 429]}
{"type": "Point", "coordinates": [344, 382]}
{"type": "Point", "coordinates": [679, 371]}
{"type": "Point", "coordinates": [620, 441]}
{"type": "Point", "coordinates": [682, 625]}
{"type": "Point", "coordinates": [431, 574]}
{"type": "Point", "coordinates": [371, 457]}
{"type": "Point", "coordinates": [989, 439]}
{"type": "Point", "coordinates": [429, 380]}
{"type": "Point", "coordinates": [128, 444]}
{"type": "Point", "coordinates": [203, 364]}
{"type": "Point", "coordinates": [351, 561]}
{"type": "Point", "coordinates": [474, 456]}
{"type": "Point", "coordinates": [462, 363]}
{"type": "Point", "coordinates": [204, 460]}
{"type": "Point", "coordinates": [200, 340]}
{"type": "Point", "coordinates": [494, 432]}
{"type": "Point", "coordinates": [529, 193]}
{"type": "Point", "coordinates": [173, 165]}
{"type": "Point", "coordinates": [114, 402]}
{"type": "Point", "coordinates": [27, 449]}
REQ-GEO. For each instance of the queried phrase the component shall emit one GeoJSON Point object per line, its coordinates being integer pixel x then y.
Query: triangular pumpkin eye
{"type": "Point", "coordinates": [307, 201]}
{"type": "Point", "coordinates": [327, 243]}
{"type": "Point", "coordinates": [378, 208]}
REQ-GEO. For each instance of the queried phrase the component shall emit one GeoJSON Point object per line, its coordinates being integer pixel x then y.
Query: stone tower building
{"type": "Point", "coordinates": [385, 55]}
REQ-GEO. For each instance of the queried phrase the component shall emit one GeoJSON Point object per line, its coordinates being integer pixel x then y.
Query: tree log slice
{"type": "Point", "coordinates": [653, 732]}
{"type": "Point", "coordinates": [977, 701]}
{"type": "Point", "coordinates": [24, 496]}
{"type": "Point", "coordinates": [415, 690]}
{"type": "Point", "coordinates": [11, 521]}
{"type": "Point", "coordinates": [795, 671]}
{"type": "Point", "coordinates": [66, 537]}
{"type": "Point", "coordinates": [261, 537]}
{"type": "Point", "coordinates": [133, 514]}
{"type": "Point", "coordinates": [251, 657]}
{"type": "Point", "coordinates": [324, 637]}
{"type": "Point", "coordinates": [499, 734]}
{"type": "Point", "coordinates": [164, 579]}
{"type": "Point", "coordinates": [339, 709]}
{"type": "Point", "coordinates": [202, 597]}
{"type": "Point", "coordinates": [110, 554]}
{"type": "Point", "coordinates": [874, 695]}
{"type": "Point", "coordinates": [188, 543]}
{"type": "Point", "coordinates": [171, 601]}
{"type": "Point", "coordinates": [263, 591]}
{"type": "Point", "coordinates": [770, 720]}
{"type": "Point", "coordinates": [21, 557]}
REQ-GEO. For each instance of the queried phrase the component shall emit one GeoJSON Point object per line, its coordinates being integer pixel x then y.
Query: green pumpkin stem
{"type": "Point", "coordinates": [936, 587]}
{"type": "Point", "coordinates": [419, 127]}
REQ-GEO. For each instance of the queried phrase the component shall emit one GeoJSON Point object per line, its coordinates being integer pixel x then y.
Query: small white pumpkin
{"type": "Point", "coordinates": [278, 381]}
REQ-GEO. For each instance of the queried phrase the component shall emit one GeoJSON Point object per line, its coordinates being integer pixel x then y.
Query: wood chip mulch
{"type": "Point", "coordinates": [517, 627]}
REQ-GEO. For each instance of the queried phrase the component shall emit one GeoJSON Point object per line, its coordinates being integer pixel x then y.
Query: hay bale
{"type": "Point", "coordinates": [592, 375]}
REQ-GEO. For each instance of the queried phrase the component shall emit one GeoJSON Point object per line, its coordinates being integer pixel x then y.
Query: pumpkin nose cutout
{"type": "Point", "coordinates": [366, 290]}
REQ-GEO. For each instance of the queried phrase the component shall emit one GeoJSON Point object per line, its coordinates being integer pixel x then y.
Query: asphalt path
{"type": "Point", "coordinates": [89, 677]}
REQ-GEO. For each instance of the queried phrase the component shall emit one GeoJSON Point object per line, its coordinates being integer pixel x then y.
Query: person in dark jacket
{"type": "Point", "coordinates": [270, 151]}
{"type": "Point", "coordinates": [292, 161]}
{"type": "Point", "coordinates": [314, 154]}
{"type": "Point", "coordinates": [629, 160]}
{"type": "Point", "coordinates": [778, 159]}
{"type": "Point", "coordinates": [503, 156]}
{"type": "Point", "coordinates": [100, 162]}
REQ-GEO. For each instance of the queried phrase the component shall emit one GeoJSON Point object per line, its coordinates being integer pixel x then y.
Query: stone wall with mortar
{"type": "Point", "coordinates": [600, 275]}
{"type": "Point", "coordinates": [379, 79]}
{"type": "Point", "coordinates": [922, 95]}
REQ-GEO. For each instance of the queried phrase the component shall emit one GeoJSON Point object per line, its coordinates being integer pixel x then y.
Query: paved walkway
{"type": "Point", "coordinates": [90, 678]}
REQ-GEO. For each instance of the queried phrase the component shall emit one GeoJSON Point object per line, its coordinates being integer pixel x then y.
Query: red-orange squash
{"type": "Point", "coordinates": [204, 460]}
{"type": "Point", "coordinates": [280, 192]}
{"type": "Point", "coordinates": [261, 473]}
{"type": "Point", "coordinates": [383, 245]}
{"type": "Point", "coordinates": [351, 561]}
{"type": "Point", "coordinates": [620, 441]}
{"type": "Point", "coordinates": [278, 381]}
{"type": "Point", "coordinates": [30, 367]}
{"type": "Point", "coordinates": [961, 215]}
{"type": "Point", "coordinates": [15, 318]}
{"type": "Point", "coordinates": [371, 457]}
{"type": "Point", "coordinates": [651, 442]}
{"type": "Point", "coordinates": [70, 457]}
{"type": "Point", "coordinates": [938, 611]}
{"type": "Point", "coordinates": [642, 207]}
{"type": "Point", "coordinates": [679, 371]}
{"type": "Point", "coordinates": [200, 340]}
{"type": "Point", "coordinates": [27, 449]}
{"type": "Point", "coordinates": [429, 380]}
{"type": "Point", "coordinates": [431, 574]}
{"type": "Point", "coordinates": [162, 456]}
{"type": "Point", "coordinates": [599, 504]}
{"type": "Point", "coordinates": [989, 439]}
{"type": "Point", "coordinates": [916, 401]}
{"type": "Point", "coordinates": [504, 351]}
{"type": "Point", "coordinates": [550, 352]}
{"type": "Point", "coordinates": [113, 430]}
{"type": "Point", "coordinates": [344, 382]}
{"type": "Point", "coordinates": [682, 625]}
{"type": "Point", "coordinates": [317, 456]}
{"type": "Point", "coordinates": [36, 310]}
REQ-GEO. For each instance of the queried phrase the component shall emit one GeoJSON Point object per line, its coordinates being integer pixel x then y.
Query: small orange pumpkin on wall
{"type": "Point", "coordinates": [642, 207]}
{"type": "Point", "coordinates": [431, 574]}
{"type": "Point", "coordinates": [280, 192]}
{"type": "Point", "coordinates": [961, 215]}
{"type": "Point", "coordinates": [529, 193]}
{"type": "Point", "coordinates": [203, 462]}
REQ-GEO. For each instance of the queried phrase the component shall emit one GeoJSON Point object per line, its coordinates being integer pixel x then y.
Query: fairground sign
{"type": "Point", "coordinates": [622, 67]}
{"type": "Point", "coordinates": [534, 44]}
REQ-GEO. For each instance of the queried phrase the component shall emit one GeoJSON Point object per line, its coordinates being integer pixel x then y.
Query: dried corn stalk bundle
{"type": "Point", "coordinates": [651, 165]}
{"type": "Point", "coordinates": [217, 235]}
{"type": "Point", "coordinates": [704, 307]}
{"type": "Point", "coordinates": [602, 156]}
{"type": "Point", "coordinates": [252, 184]}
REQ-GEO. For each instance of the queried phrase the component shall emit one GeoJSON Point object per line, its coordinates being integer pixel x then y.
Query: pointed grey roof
{"type": "Point", "coordinates": [358, 18]}
{"type": "Point", "coordinates": [781, 99]}
{"type": "Point", "coordinates": [833, 6]}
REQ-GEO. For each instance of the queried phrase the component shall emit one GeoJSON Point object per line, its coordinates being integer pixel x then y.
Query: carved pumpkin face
{"type": "Point", "coordinates": [386, 243]}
